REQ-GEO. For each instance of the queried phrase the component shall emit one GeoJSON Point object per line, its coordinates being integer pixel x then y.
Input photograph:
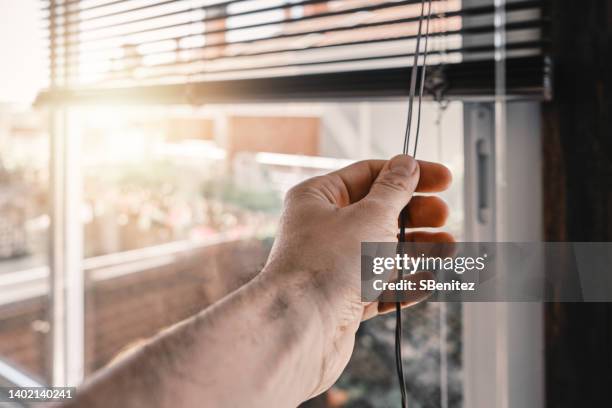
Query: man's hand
{"type": "Point", "coordinates": [324, 222]}
{"type": "Point", "coordinates": [286, 335]}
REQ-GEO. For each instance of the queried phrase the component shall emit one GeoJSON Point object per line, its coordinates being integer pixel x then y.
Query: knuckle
{"type": "Point", "coordinates": [300, 188]}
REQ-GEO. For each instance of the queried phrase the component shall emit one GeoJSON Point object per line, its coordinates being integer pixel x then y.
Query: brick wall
{"type": "Point", "coordinates": [288, 135]}
{"type": "Point", "coordinates": [19, 341]}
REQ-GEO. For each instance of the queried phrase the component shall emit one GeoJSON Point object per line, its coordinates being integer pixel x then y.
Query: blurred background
{"type": "Point", "coordinates": [146, 146]}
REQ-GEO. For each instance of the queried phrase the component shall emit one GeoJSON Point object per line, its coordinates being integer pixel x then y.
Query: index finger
{"type": "Point", "coordinates": [435, 177]}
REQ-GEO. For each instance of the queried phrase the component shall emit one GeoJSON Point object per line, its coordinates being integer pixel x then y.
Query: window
{"type": "Point", "coordinates": [168, 171]}
{"type": "Point", "coordinates": [181, 210]}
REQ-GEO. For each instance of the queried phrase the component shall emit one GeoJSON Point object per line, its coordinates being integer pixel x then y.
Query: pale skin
{"type": "Point", "coordinates": [287, 335]}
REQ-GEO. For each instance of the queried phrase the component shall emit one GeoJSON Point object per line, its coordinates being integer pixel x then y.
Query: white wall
{"type": "Point", "coordinates": [22, 70]}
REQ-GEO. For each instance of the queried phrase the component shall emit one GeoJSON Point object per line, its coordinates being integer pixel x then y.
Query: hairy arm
{"type": "Point", "coordinates": [257, 347]}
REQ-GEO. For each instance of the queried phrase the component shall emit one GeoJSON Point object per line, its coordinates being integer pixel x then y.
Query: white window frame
{"type": "Point", "coordinates": [503, 343]}
{"type": "Point", "coordinates": [67, 291]}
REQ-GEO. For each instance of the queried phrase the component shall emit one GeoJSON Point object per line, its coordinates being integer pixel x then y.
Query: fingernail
{"type": "Point", "coordinates": [403, 165]}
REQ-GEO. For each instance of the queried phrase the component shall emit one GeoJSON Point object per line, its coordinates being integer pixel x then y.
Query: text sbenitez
{"type": "Point", "coordinates": [424, 285]}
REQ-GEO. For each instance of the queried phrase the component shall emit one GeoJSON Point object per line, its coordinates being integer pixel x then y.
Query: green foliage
{"type": "Point", "coordinates": [262, 200]}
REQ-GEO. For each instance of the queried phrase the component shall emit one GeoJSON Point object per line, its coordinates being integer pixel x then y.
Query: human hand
{"type": "Point", "coordinates": [318, 247]}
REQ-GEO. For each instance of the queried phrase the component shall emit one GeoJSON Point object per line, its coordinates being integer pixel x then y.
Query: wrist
{"type": "Point", "coordinates": [306, 290]}
{"type": "Point", "coordinates": [308, 317]}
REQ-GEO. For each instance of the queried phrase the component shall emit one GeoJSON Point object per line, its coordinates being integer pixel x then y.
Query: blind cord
{"type": "Point", "coordinates": [403, 216]}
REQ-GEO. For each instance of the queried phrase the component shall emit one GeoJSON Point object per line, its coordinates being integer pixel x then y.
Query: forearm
{"type": "Point", "coordinates": [260, 346]}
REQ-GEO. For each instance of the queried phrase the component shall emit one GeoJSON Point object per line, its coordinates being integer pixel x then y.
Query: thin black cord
{"type": "Point", "coordinates": [398, 323]}
{"type": "Point", "coordinates": [403, 221]}
{"type": "Point", "coordinates": [413, 78]}
{"type": "Point", "coordinates": [423, 76]}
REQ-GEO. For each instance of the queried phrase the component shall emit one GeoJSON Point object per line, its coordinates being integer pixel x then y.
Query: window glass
{"type": "Point", "coordinates": [24, 241]}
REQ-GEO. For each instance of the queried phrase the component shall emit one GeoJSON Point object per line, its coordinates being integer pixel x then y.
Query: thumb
{"type": "Point", "coordinates": [396, 182]}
